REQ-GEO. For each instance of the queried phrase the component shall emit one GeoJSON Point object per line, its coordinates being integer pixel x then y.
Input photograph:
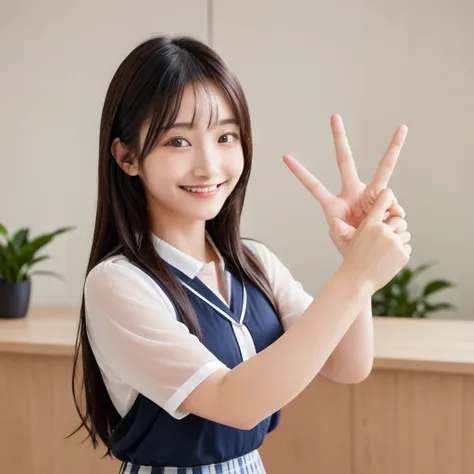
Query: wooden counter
{"type": "Point", "coordinates": [45, 331]}
{"type": "Point", "coordinates": [413, 415]}
{"type": "Point", "coordinates": [400, 343]}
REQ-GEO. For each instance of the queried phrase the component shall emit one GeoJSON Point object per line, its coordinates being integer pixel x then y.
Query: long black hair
{"type": "Point", "coordinates": [149, 85]}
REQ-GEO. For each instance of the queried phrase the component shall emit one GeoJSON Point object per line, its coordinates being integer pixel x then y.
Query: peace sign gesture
{"type": "Point", "coordinates": [346, 211]}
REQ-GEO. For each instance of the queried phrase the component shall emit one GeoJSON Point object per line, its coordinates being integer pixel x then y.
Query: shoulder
{"type": "Point", "coordinates": [113, 272]}
{"type": "Point", "coordinates": [278, 273]}
{"type": "Point", "coordinates": [290, 297]}
{"type": "Point", "coordinates": [273, 266]}
{"type": "Point", "coordinates": [261, 251]}
{"type": "Point", "coordinates": [118, 278]}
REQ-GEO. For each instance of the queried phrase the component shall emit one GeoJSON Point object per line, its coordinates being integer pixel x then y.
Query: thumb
{"type": "Point", "coordinates": [383, 202]}
{"type": "Point", "coordinates": [341, 232]}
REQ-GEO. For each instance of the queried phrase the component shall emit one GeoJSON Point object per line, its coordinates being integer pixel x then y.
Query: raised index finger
{"type": "Point", "coordinates": [310, 182]}
{"type": "Point", "coordinates": [345, 161]}
{"type": "Point", "coordinates": [389, 160]}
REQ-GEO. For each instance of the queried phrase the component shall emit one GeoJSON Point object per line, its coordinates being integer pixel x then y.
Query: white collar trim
{"type": "Point", "coordinates": [190, 266]}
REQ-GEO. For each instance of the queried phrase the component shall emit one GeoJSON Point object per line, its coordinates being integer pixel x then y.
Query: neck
{"type": "Point", "coordinates": [189, 238]}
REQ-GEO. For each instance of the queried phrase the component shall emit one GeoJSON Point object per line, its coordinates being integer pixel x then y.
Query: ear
{"type": "Point", "coordinates": [120, 152]}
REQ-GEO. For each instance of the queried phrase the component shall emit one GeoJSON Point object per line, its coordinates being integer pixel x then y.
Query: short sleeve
{"type": "Point", "coordinates": [134, 332]}
{"type": "Point", "coordinates": [290, 297]}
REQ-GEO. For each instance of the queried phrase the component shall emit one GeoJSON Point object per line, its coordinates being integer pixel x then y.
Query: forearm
{"type": "Point", "coordinates": [352, 359]}
{"type": "Point", "coordinates": [274, 377]}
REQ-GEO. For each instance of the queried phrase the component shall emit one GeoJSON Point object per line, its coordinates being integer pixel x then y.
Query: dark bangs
{"type": "Point", "coordinates": [183, 70]}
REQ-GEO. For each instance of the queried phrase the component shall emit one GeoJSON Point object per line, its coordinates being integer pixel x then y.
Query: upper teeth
{"type": "Point", "coordinates": [210, 189]}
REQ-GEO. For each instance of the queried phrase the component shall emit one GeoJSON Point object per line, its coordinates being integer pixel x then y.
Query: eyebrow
{"type": "Point", "coordinates": [227, 121]}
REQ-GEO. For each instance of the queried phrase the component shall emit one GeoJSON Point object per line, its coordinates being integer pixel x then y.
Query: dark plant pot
{"type": "Point", "coordinates": [14, 299]}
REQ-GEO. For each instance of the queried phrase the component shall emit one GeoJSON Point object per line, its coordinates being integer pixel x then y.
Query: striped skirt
{"type": "Point", "coordinates": [248, 464]}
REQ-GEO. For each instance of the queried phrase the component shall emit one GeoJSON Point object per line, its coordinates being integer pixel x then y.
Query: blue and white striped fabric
{"type": "Point", "coordinates": [248, 464]}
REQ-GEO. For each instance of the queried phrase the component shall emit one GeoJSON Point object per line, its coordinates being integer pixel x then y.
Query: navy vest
{"type": "Point", "coordinates": [147, 435]}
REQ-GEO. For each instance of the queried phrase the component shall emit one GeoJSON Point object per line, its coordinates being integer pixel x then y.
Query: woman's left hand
{"type": "Point", "coordinates": [346, 211]}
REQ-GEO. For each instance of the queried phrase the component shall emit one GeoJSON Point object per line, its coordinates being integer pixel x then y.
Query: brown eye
{"type": "Point", "coordinates": [228, 138]}
{"type": "Point", "coordinates": [178, 143]}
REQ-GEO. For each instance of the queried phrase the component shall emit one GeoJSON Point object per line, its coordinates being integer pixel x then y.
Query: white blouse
{"type": "Point", "coordinates": [139, 344]}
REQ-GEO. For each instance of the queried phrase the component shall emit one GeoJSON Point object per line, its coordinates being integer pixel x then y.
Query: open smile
{"type": "Point", "coordinates": [209, 189]}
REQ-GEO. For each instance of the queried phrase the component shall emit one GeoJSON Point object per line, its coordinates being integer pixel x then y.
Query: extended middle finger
{"type": "Point", "coordinates": [345, 160]}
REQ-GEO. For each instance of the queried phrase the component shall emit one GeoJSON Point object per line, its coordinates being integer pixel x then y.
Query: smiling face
{"type": "Point", "coordinates": [197, 162]}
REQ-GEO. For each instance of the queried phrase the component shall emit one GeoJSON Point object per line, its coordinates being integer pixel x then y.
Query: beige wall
{"type": "Point", "coordinates": [56, 61]}
{"type": "Point", "coordinates": [378, 64]}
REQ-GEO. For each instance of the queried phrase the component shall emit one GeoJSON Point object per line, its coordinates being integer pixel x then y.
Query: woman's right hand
{"type": "Point", "coordinates": [375, 254]}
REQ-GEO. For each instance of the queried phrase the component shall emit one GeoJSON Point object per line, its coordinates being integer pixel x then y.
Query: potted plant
{"type": "Point", "coordinates": [398, 297]}
{"type": "Point", "coordinates": [18, 254]}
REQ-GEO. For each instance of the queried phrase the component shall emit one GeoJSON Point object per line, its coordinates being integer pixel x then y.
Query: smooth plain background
{"type": "Point", "coordinates": [378, 64]}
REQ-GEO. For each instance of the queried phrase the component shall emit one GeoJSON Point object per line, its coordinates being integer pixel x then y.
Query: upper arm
{"type": "Point", "coordinates": [290, 297]}
{"type": "Point", "coordinates": [133, 329]}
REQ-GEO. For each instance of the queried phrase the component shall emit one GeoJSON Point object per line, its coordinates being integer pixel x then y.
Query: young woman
{"type": "Point", "coordinates": [191, 337]}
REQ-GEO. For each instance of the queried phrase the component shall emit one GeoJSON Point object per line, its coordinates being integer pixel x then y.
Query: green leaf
{"type": "Point", "coordinates": [20, 238]}
{"type": "Point", "coordinates": [12, 260]}
{"type": "Point", "coordinates": [423, 268]}
{"type": "Point", "coordinates": [28, 251]}
{"type": "Point", "coordinates": [379, 303]}
{"type": "Point", "coordinates": [405, 276]}
{"type": "Point", "coordinates": [26, 255]}
{"type": "Point", "coordinates": [397, 299]}
{"type": "Point", "coordinates": [6, 271]}
{"type": "Point", "coordinates": [45, 239]}
{"type": "Point", "coordinates": [439, 306]}
{"type": "Point", "coordinates": [392, 311]}
{"type": "Point", "coordinates": [435, 286]}
{"type": "Point", "coordinates": [39, 259]}
{"type": "Point", "coordinates": [412, 308]}
{"type": "Point", "coordinates": [378, 311]}
{"type": "Point", "coordinates": [405, 307]}
{"type": "Point", "coordinates": [49, 273]}
{"type": "Point", "coordinates": [387, 290]}
{"type": "Point", "coordinates": [33, 261]}
{"type": "Point", "coordinates": [378, 296]}
{"type": "Point", "coordinates": [3, 230]}
{"type": "Point", "coordinates": [18, 254]}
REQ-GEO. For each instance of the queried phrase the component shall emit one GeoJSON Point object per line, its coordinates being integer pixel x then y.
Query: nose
{"type": "Point", "coordinates": [207, 164]}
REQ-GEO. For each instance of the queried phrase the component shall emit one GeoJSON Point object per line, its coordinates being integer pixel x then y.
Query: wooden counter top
{"type": "Point", "coordinates": [434, 345]}
{"type": "Point", "coordinates": [400, 343]}
{"type": "Point", "coordinates": [47, 331]}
